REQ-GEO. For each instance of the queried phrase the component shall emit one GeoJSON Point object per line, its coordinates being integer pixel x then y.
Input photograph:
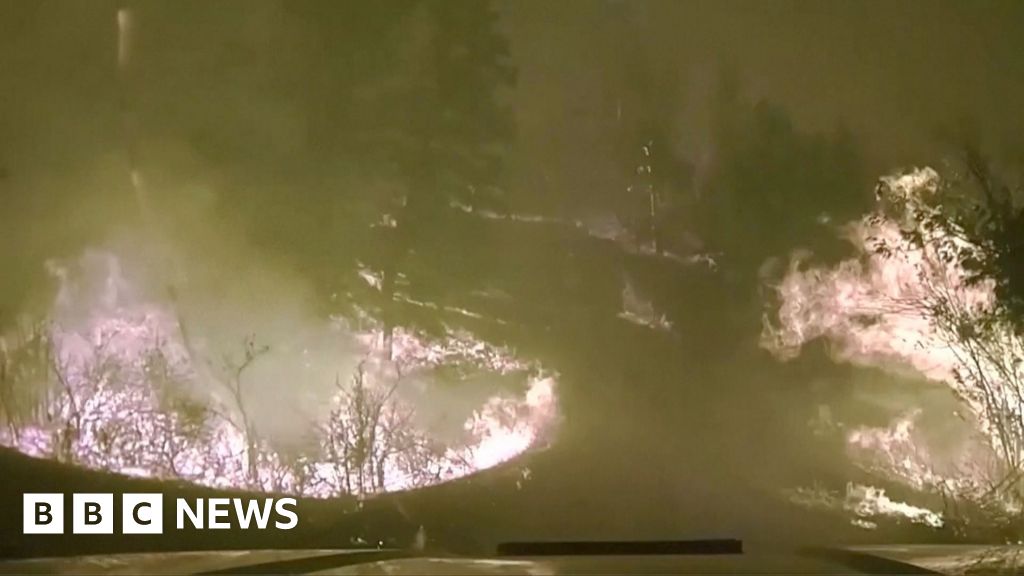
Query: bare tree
{"type": "Point", "coordinates": [102, 404]}
{"type": "Point", "coordinates": [24, 368]}
{"type": "Point", "coordinates": [954, 235]}
{"type": "Point", "coordinates": [231, 377]}
{"type": "Point", "coordinates": [370, 435]}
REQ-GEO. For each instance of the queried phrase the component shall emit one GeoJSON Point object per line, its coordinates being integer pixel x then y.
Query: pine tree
{"type": "Point", "coordinates": [444, 132]}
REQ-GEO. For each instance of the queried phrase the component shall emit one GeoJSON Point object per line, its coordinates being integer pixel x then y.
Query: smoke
{"type": "Point", "coordinates": [119, 273]}
{"type": "Point", "coordinates": [115, 310]}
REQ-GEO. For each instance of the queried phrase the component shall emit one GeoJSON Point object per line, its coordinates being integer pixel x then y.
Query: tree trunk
{"type": "Point", "coordinates": [387, 289]}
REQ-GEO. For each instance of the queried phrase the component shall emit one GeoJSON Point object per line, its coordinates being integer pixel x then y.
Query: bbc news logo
{"type": "Point", "coordinates": [144, 513]}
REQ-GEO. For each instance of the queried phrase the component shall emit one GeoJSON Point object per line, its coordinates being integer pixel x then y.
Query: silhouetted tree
{"type": "Point", "coordinates": [647, 102]}
{"type": "Point", "coordinates": [772, 187]}
{"type": "Point", "coordinates": [440, 125]}
{"type": "Point", "coordinates": [976, 205]}
{"type": "Point", "coordinates": [231, 377]}
{"type": "Point", "coordinates": [961, 235]}
{"type": "Point", "coordinates": [369, 437]}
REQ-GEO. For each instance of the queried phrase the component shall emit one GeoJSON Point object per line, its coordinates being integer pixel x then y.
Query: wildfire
{"type": "Point", "coordinates": [878, 309]}
{"type": "Point", "coordinates": [117, 387]}
{"type": "Point", "coordinates": [871, 502]}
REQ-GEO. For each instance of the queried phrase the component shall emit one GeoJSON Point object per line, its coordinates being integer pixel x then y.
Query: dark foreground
{"type": "Point", "coordinates": [944, 559]}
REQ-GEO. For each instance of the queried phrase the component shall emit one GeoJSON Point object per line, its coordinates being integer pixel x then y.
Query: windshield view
{"type": "Point", "coordinates": [477, 278]}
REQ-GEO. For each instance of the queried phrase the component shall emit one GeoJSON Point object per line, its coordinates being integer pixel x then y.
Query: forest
{"type": "Point", "coordinates": [365, 253]}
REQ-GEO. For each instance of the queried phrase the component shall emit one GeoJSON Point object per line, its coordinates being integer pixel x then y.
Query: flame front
{"type": "Point", "coordinates": [110, 383]}
{"type": "Point", "coordinates": [879, 309]}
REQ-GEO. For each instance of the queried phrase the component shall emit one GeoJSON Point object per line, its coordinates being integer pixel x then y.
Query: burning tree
{"type": "Point", "coordinates": [934, 286]}
{"type": "Point", "coordinates": [114, 398]}
{"type": "Point", "coordinates": [958, 234]}
{"type": "Point", "coordinates": [113, 381]}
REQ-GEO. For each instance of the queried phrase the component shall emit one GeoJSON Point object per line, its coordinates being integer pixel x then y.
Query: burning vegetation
{"type": "Point", "coordinates": [113, 381]}
{"type": "Point", "coordinates": [928, 291]}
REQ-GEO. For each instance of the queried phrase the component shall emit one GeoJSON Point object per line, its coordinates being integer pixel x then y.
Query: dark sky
{"type": "Point", "coordinates": [894, 74]}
